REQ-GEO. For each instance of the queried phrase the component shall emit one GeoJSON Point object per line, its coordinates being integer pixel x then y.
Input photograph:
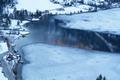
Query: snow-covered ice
{"type": "Point", "coordinates": [1, 75]}
{"type": "Point", "coordinates": [3, 47]}
{"type": "Point", "coordinates": [34, 5]}
{"type": "Point", "coordinates": [101, 21]}
{"type": "Point", "coordinates": [61, 63]}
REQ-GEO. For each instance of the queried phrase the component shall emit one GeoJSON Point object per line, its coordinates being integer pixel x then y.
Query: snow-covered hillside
{"type": "Point", "coordinates": [51, 7]}
{"type": "Point", "coordinates": [34, 5]}
{"type": "Point", "coordinates": [61, 63]}
{"type": "Point", "coordinates": [63, 6]}
{"type": "Point", "coordinates": [78, 2]}
{"type": "Point", "coordinates": [102, 21]}
{"type": "Point", "coordinates": [73, 10]}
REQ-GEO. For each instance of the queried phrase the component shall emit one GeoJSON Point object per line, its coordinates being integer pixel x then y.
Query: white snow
{"type": "Point", "coordinates": [72, 9]}
{"type": "Point", "coordinates": [33, 5]}
{"type": "Point", "coordinates": [76, 2]}
{"type": "Point", "coordinates": [14, 24]}
{"type": "Point", "coordinates": [14, 31]}
{"type": "Point", "coordinates": [1, 75]}
{"type": "Point", "coordinates": [101, 21]}
{"type": "Point", "coordinates": [97, 2]}
{"type": "Point", "coordinates": [3, 47]}
{"type": "Point", "coordinates": [8, 10]}
{"type": "Point", "coordinates": [35, 19]}
{"type": "Point", "coordinates": [24, 32]}
{"type": "Point", "coordinates": [51, 7]}
{"type": "Point", "coordinates": [62, 63]}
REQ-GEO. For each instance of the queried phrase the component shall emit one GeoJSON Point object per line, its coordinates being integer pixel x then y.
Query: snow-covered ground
{"type": "Point", "coordinates": [34, 5]}
{"type": "Point", "coordinates": [3, 47]}
{"type": "Point", "coordinates": [43, 5]}
{"type": "Point", "coordinates": [77, 2]}
{"type": "Point", "coordinates": [15, 31]}
{"type": "Point", "coordinates": [101, 21]}
{"type": "Point", "coordinates": [1, 75]}
{"type": "Point", "coordinates": [61, 63]}
{"type": "Point", "coordinates": [72, 9]}
{"type": "Point", "coordinates": [14, 23]}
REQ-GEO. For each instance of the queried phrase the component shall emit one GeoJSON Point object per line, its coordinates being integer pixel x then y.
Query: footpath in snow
{"type": "Point", "coordinates": [61, 63]}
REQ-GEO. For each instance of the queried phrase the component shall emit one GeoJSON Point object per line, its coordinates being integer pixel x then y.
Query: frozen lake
{"type": "Point", "coordinates": [61, 63]}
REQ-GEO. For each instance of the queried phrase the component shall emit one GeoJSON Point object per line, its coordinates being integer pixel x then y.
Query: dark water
{"type": "Point", "coordinates": [38, 33]}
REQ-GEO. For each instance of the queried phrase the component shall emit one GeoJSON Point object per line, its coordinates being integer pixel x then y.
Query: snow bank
{"type": "Point", "coordinates": [33, 5]}
{"type": "Point", "coordinates": [102, 21]}
{"type": "Point", "coordinates": [3, 47]}
{"type": "Point", "coordinates": [1, 75]}
{"type": "Point", "coordinates": [62, 63]}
